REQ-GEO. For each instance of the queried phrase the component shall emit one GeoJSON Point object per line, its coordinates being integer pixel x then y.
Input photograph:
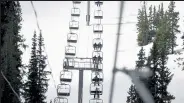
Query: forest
{"type": "Point", "coordinates": [156, 24]}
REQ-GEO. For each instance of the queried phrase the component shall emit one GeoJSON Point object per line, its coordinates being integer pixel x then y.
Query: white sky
{"type": "Point", "coordinates": [54, 17]}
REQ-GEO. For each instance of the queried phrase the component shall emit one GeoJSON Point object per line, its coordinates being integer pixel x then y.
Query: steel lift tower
{"type": "Point", "coordinates": [71, 62]}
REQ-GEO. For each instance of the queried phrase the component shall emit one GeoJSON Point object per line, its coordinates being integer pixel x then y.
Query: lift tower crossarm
{"type": "Point", "coordinates": [76, 63]}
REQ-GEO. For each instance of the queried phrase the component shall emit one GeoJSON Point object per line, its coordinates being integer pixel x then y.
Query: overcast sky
{"type": "Point", "coordinates": [54, 17]}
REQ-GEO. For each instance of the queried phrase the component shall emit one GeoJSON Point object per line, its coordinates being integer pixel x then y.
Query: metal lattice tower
{"type": "Point", "coordinates": [71, 62]}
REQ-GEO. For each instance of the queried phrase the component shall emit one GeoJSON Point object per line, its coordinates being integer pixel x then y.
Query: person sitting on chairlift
{"type": "Point", "coordinates": [98, 3]}
{"type": "Point", "coordinates": [100, 46]}
{"type": "Point", "coordinates": [94, 59]}
{"type": "Point", "coordinates": [100, 59]}
{"type": "Point", "coordinates": [96, 78]}
{"type": "Point", "coordinates": [94, 45]}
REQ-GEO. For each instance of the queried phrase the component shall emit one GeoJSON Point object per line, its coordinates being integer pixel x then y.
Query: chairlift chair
{"type": "Point", "coordinates": [60, 100]}
{"type": "Point", "coordinates": [63, 89]}
{"type": "Point", "coordinates": [96, 89]}
{"type": "Point", "coordinates": [98, 67]}
{"type": "Point", "coordinates": [76, 2]}
{"type": "Point", "coordinates": [97, 76]}
{"type": "Point", "coordinates": [182, 36]}
{"type": "Point", "coordinates": [72, 38]}
{"type": "Point", "coordinates": [98, 28]}
{"type": "Point", "coordinates": [97, 57]}
{"type": "Point", "coordinates": [96, 100]}
{"type": "Point", "coordinates": [70, 50]}
{"type": "Point", "coordinates": [74, 25]}
{"type": "Point", "coordinates": [75, 12]}
{"type": "Point", "coordinates": [98, 3]}
{"type": "Point", "coordinates": [98, 14]}
{"type": "Point", "coordinates": [97, 44]}
{"type": "Point", "coordinates": [65, 76]}
{"type": "Point", "coordinates": [68, 63]}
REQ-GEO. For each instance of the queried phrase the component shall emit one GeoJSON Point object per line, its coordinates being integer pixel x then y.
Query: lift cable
{"type": "Point", "coordinates": [43, 46]}
{"type": "Point", "coordinates": [10, 86]}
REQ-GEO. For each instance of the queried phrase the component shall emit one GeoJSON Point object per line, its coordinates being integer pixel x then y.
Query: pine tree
{"type": "Point", "coordinates": [10, 53]}
{"type": "Point", "coordinates": [31, 89]}
{"type": "Point", "coordinates": [142, 26]}
{"type": "Point", "coordinates": [165, 76]}
{"type": "Point", "coordinates": [154, 17]}
{"type": "Point", "coordinates": [174, 18]}
{"type": "Point", "coordinates": [151, 26]}
{"type": "Point", "coordinates": [133, 94]}
{"type": "Point", "coordinates": [153, 61]}
{"type": "Point", "coordinates": [43, 81]}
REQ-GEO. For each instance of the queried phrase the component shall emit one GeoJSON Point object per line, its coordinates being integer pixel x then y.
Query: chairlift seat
{"type": "Point", "coordinates": [96, 92]}
{"type": "Point", "coordinates": [76, 2]}
{"type": "Point", "coordinates": [60, 100]}
{"type": "Point", "coordinates": [98, 28]}
{"type": "Point", "coordinates": [65, 79]}
{"type": "Point", "coordinates": [98, 14]}
{"type": "Point", "coordinates": [63, 90]}
{"type": "Point", "coordinates": [75, 28]}
{"type": "Point", "coordinates": [63, 94]}
{"type": "Point", "coordinates": [74, 25]}
{"type": "Point", "coordinates": [72, 54]}
{"type": "Point", "coordinates": [98, 31]}
{"type": "Point", "coordinates": [72, 38]}
{"type": "Point", "coordinates": [75, 12]}
{"type": "Point", "coordinates": [98, 2]}
{"type": "Point", "coordinates": [72, 41]}
{"type": "Point", "coordinates": [95, 100]}
{"type": "Point", "coordinates": [70, 50]}
{"type": "Point", "coordinates": [97, 79]}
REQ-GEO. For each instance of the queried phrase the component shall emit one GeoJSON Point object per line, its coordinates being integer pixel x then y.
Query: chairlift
{"type": "Point", "coordinates": [68, 63]}
{"type": "Point", "coordinates": [74, 25]}
{"type": "Point", "coordinates": [98, 14]}
{"type": "Point", "coordinates": [182, 36]}
{"type": "Point", "coordinates": [75, 12]}
{"type": "Point", "coordinates": [63, 90]}
{"type": "Point", "coordinates": [97, 44]}
{"type": "Point", "coordinates": [96, 89]}
{"type": "Point", "coordinates": [97, 77]}
{"type": "Point", "coordinates": [60, 100]}
{"type": "Point", "coordinates": [98, 28]}
{"type": "Point", "coordinates": [72, 38]}
{"type": "Point", "coordinates": [96, 100]}
{"type": "Point", "coordinates": [65, 76]}
{"type": "Point", "coordinates": [98, 67]}
{"type": "Point", "coordinates": [98, 3]}
{"type": "Point", "coordinates": [97, 57]}
{"type": "Point", "coordinates": [70, 50]}
{"type": "Point", "coordinates": [76, 2]}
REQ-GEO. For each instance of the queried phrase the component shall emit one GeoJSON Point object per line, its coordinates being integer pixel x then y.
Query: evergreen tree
{"type": "Point", "coordinates": [142, 26]}
{"type": "Point", "coordinates": [10, 53]}
{"type": "Point", "coordinates": [154, 17]}
{"type": "Point", "coordinates": [133, 94]}
{"type": "Point", "coordinates": [174, 18]}
{"type": "Point", "coordinates": [165, 76]}
{"type": "Point", "coordinates": [31, 89]}
{"type": "Point", "coordinates": [153, 65]}
{"type": "Point", "coordinates": [43, 81]}
{"type": "Point", "coordinates": [37, 84]}
{"type": "Point", "coordinates": [151, 26]}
